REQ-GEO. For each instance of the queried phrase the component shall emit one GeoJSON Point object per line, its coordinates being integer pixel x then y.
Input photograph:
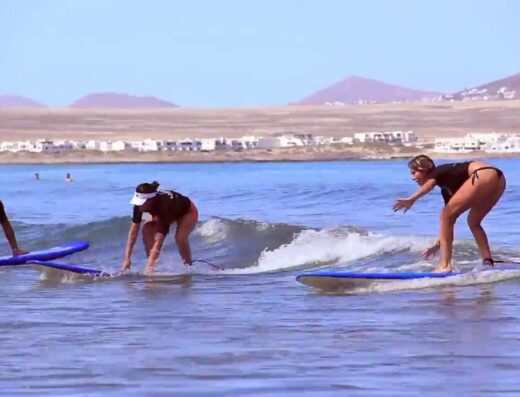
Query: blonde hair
{"type": "Point", "coordinates": [421, 163]}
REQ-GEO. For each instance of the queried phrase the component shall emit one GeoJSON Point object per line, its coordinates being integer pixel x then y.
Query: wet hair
{"type": "Point", "coordinates": [147, 187]}
{"type": "Point", "coordinates": [421, 163]}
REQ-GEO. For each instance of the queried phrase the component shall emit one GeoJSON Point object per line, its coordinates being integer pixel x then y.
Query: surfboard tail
{"type": "Point", "coordinates": [71, 268]}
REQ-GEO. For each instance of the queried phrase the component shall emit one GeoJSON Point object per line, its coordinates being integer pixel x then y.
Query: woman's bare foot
{"type": "Point", "coordinates": [443, 268]}
{"type": "Point", "coordinates": [19, 251]}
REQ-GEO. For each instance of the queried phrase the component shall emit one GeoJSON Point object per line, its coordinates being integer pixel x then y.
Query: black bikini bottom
{"type": "Point", "coordinates": [474, 174]}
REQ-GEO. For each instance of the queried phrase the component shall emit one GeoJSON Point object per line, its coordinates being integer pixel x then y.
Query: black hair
{"type": "Point", "coordinates": [147, 187]}
{"type": "Point", "coordinates": [421, 163]}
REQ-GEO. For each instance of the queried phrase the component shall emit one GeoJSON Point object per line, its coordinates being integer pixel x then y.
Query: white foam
{"type": "Point", "coordinates": [469, 278]}
{"type": "Point", "coordinates": [213, 230]}
{"type": "Point", "coordinates": [330, 246]}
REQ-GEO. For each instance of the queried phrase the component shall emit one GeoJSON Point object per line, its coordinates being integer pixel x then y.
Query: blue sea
{"type": "Point", "coordinates": [251, 329]}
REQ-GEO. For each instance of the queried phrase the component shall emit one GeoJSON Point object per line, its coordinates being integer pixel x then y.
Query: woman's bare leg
{"type": "Point", "coordinates": [470, 193]}
{"type": "Point", "coordinates": [148, 236]}
{"type": "Point", "coordinates": [477, 214]}
{"type": "Point", "coordinates": [448, 219]}
{"type": "Point", "coordinates": [185, 226]}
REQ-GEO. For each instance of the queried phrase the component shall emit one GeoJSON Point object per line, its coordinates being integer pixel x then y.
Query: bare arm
{"type": "Point", "coordinates": [424, 189]}
{"type": "Point", "coordinates": [406, 204]}
{"type": "Point", "coordinates": [155, 251]}
{"type": "Point", "coordinates": [9, 234]}
{"type": "Point", "coordinates": [132, 238]}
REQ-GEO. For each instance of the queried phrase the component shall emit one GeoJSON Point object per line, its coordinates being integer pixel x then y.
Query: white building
{"type": "Point", "coordinates": [45, 146]}
{"type": "Point", "coordinates": [307, 139]}
{"type": "Point", "coordinates": [61, 146]}
{"type": "Point", "coordinates": [206, 144]}
{"type": "Point", "coordinates": [249, 141]}
{"type": "Point", "coordinates": [79, 145]}
{"type": "Point", "coordinates": [348, 140]}
{"type": "Point", "coordinates": [471, 142]}
{"type": "Point", "coordinates": [169, 145]}
{"type": "Point", "coordinates": [17, 146]}
{"type": "Point", "coordinates": [244, 143]}
{"type": "Point", "coordinates": [222, 143]}
{"type": "Point", "coordinates": [487, 138]}
{"type": "Point", "coordinates": [456, 145]}
{"type": "Point", "coordinates": [92, 145]}
{"type": "Point", "coordinates": [279, 142]}
{"type": "Point", "coordinates": [113, 146]}
{"type": "Point", "coordinates": [402, 137]}
{"type": "Point", "coordinates": [510, 145]}
{"type": "Point", "coordinates": [269, 142]}
{"type": "Point", "coordinates": [322, 140]}
{"type": "Point", "coordinates": [187, 144]}
{"type": "Point", "coordinates": [151, 145]}
{"type": "Point", "coordinates": [104, 146]}
{"type": "Point", "coordinates": [368, 137]}
{"type": "Point", "coordinates": [136, 145]}
{"type": "Point", "coordinates": [119, 146]}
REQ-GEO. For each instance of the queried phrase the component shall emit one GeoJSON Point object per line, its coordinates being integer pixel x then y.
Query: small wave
{"type": "Point", "coordinates": [317, 248]}
{"type": "Point", "coordinates": [469, 278]}
{"type": "Point", "coordinates": [244, 246]}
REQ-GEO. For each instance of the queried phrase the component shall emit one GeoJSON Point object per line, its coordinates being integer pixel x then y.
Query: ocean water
{"type": "Point", "coordinates": [251, 329]}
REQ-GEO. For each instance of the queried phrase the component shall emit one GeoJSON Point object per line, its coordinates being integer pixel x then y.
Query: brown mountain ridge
{"type": "Point", "coordinates": [357, 89]}
{"type": "Point", "coordinates": [17, 101]}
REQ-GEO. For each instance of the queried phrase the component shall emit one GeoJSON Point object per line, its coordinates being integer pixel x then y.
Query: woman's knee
{"type": "Point", "coordinates": [449, 215]}
{"type": "Point", "coordinates": [181, 239]}
{"type": "Point", "coordinates": [182, 235]}
{"type": "Point", "coordinates": [475, 218]}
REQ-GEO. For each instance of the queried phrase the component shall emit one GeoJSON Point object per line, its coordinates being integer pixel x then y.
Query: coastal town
{"type": "Point", "coordinates": [492, 142]}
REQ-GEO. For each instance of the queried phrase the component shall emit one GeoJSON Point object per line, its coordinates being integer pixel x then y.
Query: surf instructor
{"type": "Point", "coordinates": [166, 207]}
{"type": "Point", "coordinates": [473, 185]}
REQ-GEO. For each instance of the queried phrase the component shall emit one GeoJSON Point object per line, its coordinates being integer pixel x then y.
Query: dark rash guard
{"type": "Point", "coordinates": [450, 177]}
{"type": "Point", "coordinates": [168, 207]}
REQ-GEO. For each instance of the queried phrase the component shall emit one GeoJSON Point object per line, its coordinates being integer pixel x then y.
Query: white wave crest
{"type": "Point", "coordinates": [329, 246]}
{"type": "Point", "coordinates": [213, 230]}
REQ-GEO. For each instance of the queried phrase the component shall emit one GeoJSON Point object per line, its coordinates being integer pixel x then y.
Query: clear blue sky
{"type": "Point", "coordinates": [224, 53]}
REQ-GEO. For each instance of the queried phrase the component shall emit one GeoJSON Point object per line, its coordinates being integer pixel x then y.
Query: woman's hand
{"type": "Point", "coordinates": [148, 270]}
{"type": "Point", "coordinates": [405, 204]}
{"type": "Point", "coordinates": [429, 252]}
{"type": "Point", "coordinates": [126, 265]}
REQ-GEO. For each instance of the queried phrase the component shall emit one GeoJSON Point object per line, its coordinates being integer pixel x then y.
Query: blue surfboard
{"type": "Point", "coordinates": [71, 268]}
{"type": "Point", "coordinates": [45, 254]}
{"type": "Point", "coordinates": [329, 280]}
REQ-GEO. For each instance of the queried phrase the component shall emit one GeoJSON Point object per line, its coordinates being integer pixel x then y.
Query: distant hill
{"type": "Point", "coordinates": [120, 101]}
{"type": "Point", "coordinates": [15, 101]}
{"type": "Point", "coordinates": [507, 88]}
{"type": "Point", "coordinates": [359, 89]}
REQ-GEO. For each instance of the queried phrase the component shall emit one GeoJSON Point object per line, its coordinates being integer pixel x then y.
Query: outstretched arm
{"type": "Point", "coordinates": [424, 189]}
{"type": "Point", "coordinates": [132, 238]}
{"type": "Point", "coordinates": [407, 203]}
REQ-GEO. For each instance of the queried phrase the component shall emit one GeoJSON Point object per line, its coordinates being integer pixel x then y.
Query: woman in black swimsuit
{"type": "Point", "coordinates": [165, 207]}
{"type": "Point", "coordinates": [9, 232]}
{"type": "Point", "coordinates": [473, 185]}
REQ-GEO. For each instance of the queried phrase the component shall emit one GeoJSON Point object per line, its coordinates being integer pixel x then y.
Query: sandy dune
{"type": "Point", "coordinates": [428, 120]}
